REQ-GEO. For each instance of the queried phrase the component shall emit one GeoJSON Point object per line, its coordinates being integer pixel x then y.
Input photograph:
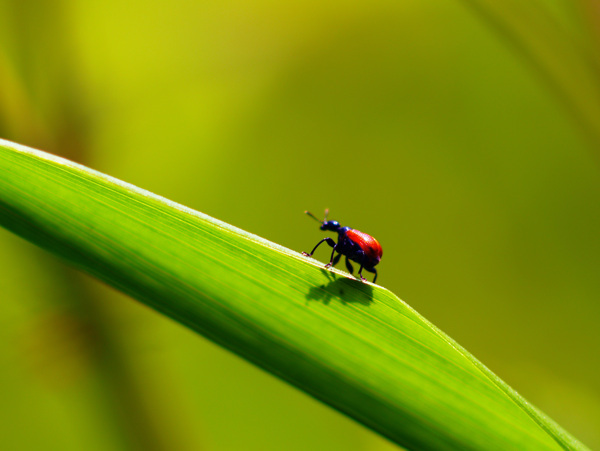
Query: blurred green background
{"type": "Point", "coordinates": [412, 121]}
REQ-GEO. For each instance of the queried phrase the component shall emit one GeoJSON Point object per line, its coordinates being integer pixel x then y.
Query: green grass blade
{"type": "Point", "coordinates": [354, 346]}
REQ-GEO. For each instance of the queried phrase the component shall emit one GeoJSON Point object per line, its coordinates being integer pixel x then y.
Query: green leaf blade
{"type": "Point", "coordinates": [355, 346]}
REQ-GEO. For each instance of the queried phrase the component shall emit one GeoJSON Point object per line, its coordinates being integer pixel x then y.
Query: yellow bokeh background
{"type": "Point", "coordinates": [414, 122]}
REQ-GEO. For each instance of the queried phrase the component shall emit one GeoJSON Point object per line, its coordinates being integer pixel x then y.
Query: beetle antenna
{"type": "Point", "coordinates": [312, 216]}
{"type": "Point", "coordinates": [326, 214]}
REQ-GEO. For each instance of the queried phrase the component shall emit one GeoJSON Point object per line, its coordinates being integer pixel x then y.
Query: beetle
{"type": "Point", "coordinates": [356, 246]}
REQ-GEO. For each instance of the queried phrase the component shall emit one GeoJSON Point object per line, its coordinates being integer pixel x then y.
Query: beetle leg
{"type": "Point", "coordinates": [329, 241]}
{"type": "Point", "coordinates": [331, 263]}
{"type": "Point", "coordinates": [336, 259]}
{"type": "Point", "coordinates": [373, 270]}
{"type": "Point", "coordinates": [360, 273]}
{"type": "Point", "coordinates": [362, 266]}
{"type": "Point", "coordinates": [349, 266]}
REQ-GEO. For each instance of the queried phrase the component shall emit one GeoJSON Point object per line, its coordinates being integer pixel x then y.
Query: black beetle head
{"type": "Point", "coordinates": [330, 225]}
{"type": "Point", "coordinates": [334, 226]}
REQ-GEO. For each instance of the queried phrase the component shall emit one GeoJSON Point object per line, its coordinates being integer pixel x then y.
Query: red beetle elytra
{"type": "Point", "coordinates": [356, 246]}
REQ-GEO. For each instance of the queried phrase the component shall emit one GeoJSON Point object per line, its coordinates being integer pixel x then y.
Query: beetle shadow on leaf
{"type": "Point", "coordinates": [342, 289]}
